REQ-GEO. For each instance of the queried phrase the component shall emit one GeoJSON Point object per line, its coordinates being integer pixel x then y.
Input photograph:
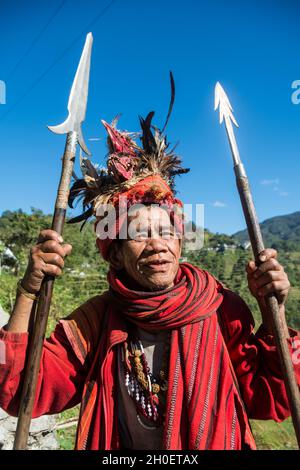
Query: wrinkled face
{"type": "Point", "coordinates": [151, 253]}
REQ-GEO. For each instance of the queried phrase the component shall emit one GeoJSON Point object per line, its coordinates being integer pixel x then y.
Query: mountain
{"type": "Point", "coordinates": [282, 231]}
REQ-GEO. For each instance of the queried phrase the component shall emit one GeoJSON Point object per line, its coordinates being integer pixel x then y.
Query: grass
{"type": "Point", "coordinates": [66, 437]}
{"type": "Point", "coordinates": [270, 435]}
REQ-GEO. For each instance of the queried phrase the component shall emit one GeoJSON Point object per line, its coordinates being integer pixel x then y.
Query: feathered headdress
{"type": "Point", "coordinates": [128, 166]}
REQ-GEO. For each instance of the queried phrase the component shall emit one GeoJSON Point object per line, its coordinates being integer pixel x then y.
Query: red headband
{"type": "Point", "coordinates": [150, 190]}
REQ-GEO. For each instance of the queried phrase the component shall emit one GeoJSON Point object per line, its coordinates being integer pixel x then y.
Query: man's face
{"type": "Point", "coordinates": [151, 253]}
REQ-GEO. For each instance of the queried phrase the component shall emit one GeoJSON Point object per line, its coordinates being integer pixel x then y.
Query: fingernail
{"type": "Point", "coordinates": [60, 239]}
{"type": "Point", "coordinates": [262, 258]}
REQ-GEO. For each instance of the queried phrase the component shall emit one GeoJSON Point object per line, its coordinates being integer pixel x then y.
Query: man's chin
{"type": "Point", "coordinates": [157, 283]}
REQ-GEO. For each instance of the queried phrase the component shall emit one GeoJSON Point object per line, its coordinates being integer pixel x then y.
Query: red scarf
{"type": "Point", "coordinates": [203, 409]}
{"type": "Point", "coordinates": [195, 296]}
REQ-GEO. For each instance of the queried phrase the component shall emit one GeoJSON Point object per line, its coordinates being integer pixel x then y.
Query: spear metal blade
{"type": "Point", "coordinates": [225, 109]}
{"type": "Point", "coordinates": [78, 97]}
{"type": "Point", "coordinates": [222, 101]}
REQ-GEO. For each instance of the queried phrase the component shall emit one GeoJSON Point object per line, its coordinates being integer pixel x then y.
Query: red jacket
{"type": "Point", "coordinates": [69, 356]}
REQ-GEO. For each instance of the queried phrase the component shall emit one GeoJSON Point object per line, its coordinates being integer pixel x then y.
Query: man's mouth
{"type": "Point", "coordinates": [157, 265]}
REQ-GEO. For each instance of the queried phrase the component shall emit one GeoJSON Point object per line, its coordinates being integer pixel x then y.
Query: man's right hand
{"type": "Point", "coordinates": [46, 257]}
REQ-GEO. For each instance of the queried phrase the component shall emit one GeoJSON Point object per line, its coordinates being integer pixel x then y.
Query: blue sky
{"type": "Point", "coordinates": [251, 47]}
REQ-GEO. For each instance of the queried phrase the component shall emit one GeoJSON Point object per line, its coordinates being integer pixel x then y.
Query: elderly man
{"type": "Point", "coordinates": [167, 357]}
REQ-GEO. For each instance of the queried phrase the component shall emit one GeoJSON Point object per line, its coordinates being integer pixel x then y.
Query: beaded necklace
{"type": "Point", "coordinates": [148, 392]}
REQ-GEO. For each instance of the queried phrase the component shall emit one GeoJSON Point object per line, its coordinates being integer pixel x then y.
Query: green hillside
{"type": "Point", "coordinates": [85, 276]}
{"type": "Point", "coordinates": [226, 259]}
{"type": "Point", "coordinates": [281, 232]}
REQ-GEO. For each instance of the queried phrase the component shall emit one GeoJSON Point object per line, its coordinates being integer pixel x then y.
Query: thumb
{"type": "Point", "coordinates": [251, 267]}
{"type": "Point", "coordinates": [67, 249]}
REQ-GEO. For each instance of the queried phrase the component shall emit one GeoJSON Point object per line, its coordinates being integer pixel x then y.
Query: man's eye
{"type": "Point", "coordinates": [141, 236]}
{"type": "Point", "coordinates": [167, 233]}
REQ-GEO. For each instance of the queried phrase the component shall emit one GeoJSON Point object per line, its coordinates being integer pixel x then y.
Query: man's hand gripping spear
{"type": "Point", "coordinates": [72, 127]}
{"type": "Point", "coordinates": [274, 317]}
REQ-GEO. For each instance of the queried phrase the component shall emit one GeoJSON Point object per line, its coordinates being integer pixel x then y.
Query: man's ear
{"type": "Point", "coordinates": [180, 246]}
{"type": "Point", "coordinates": [116, 259]}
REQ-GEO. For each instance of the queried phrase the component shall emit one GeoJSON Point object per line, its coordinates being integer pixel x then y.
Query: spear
{"type": "Point", "coordinates": [278, 322]}
{"type": "Point", "coordinates": [72, 127]}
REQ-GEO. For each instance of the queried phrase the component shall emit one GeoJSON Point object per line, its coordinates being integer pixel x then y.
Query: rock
{"type": "Point", "coordinates": [42, 434]}
{"type": "Point", "coordinates": [41, 437]}
{"type": "Point", "coordinates": [3, 317]}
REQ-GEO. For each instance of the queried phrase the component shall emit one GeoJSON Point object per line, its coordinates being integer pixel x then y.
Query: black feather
{"type": "Point", "coordinates": [171, 101]}
{"type": "Point", "coordinates": [179, 171]}
{"type": "Point", "coordinates": [89, 168]}
{"type": "Point", "coordinates": [84, 216]}
{"type": "Point", "coordinates": [78, 187]}
{"type": "Point", "coordinates": [148, 141]}
{"type": "Point", "coordinates": [173, 148]}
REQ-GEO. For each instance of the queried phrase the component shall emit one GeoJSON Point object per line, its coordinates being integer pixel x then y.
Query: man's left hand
{"type": "Point", "coordinates": [268, 278]}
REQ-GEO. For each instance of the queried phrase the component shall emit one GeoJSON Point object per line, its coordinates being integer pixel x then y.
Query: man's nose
{"type": "Point", "coordinates": [156, 244]}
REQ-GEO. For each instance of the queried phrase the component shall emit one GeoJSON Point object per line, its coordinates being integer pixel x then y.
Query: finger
{"type": "Point", "coordinates": [40, 268]}
{"type": "Point", "coordinates": [51, 270]}
{"type": "Point", "coordinates": [67, 248]}
{"type": "Point", "coordinates": [270, 276]}
{"type": "Point", "coordinates": [51, 246]}
{"type": "Point", "coordinates": [251, 267]}
{"type": "Point", "coordinates": [286, 291]}
{"type": "Point", "coordinates": [270, 265]}
{"type": "Point", "coordinates": [53, 258]}
{"type": "Point", "coordinates": [267, 254]}
{"type": "Point", "coordinates": [276, 287]}
{"type": "Point", "coordinates": [49, 234]}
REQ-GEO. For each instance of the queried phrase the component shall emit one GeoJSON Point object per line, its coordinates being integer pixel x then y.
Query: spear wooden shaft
{"type": "Point", "coordinates": [278, 322]}
{"type": "Point", "coordinates": [43, 306]}
{"type": "Point", "coordinates": [72, 127]}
